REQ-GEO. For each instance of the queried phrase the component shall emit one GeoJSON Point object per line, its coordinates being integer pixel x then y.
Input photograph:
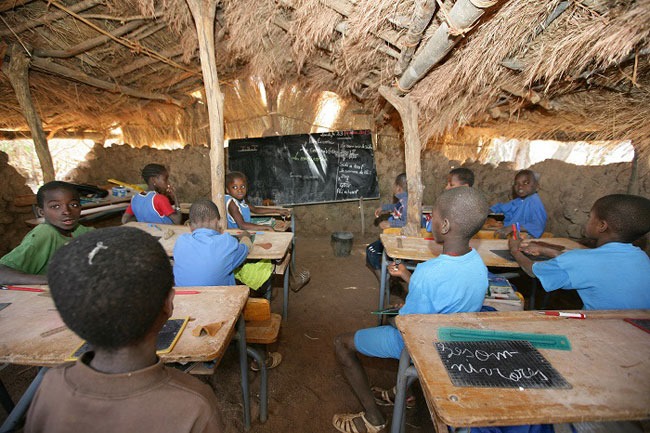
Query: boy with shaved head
{"type": "Point", "coordinates": [207, 257]}
{"type": "Point", "coordinates": [454, 282]}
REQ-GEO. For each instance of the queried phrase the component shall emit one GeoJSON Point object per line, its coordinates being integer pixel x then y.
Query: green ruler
{"type": "Point", "coordinates": [540, 341]}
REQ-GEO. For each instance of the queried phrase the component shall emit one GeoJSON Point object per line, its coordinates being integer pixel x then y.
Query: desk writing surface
{"type": "Point", "coordinates": [608, 369]}
{"type": "Point", "coordinates": [408, 248]}
{"type": "Point", "coordinates": [32, 332]}
{"type": "Point", "coordinates": [279, 241]}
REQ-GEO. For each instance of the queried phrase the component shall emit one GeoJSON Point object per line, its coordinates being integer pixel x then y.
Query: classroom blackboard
{"type": "Point", "coordinates": [498, 364]}
{"type": "Point", "coordinates": [306, 168]}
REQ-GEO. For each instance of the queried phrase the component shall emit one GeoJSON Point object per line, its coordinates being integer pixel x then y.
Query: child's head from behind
{"type": "Point", "coordinates": [59, 204]}
{"type": "Point", "coordinates": [156, 177]}
{"type": "Point", "coordinates": [204, 214]}
{"type": "Point", "coordinates": [460, 176]}
{"type": "Point", "coordinates": [525, 183]}
{"type": "Point", "coordinates": [237, 184]}
{"type": "Point", "coordinates": [625, 216]}
{"type": "Point", "coordinates": [459, 212]}
{"type": "Point", "coordinates": [400, 183]}
{"type": "Point", "coordinates": [112, 286]}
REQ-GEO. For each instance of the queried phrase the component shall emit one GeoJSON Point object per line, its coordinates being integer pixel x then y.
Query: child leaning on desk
{"type": "Point", "coordinates": [59, 205]}
{"type": "Point", "coordinates": [154, 205]}
{"type": "Point", "coordinates": [526, 209]}
{"type": "Point", "coordinates": [397, 218]}
{"type": "Point", "coordinates": [120, 384]}
{"type": "Point", "coordinates": [238, 210]}
{"type": "Point", "coordinates": [207, 257]}
{"type": "Point", "coordinates": [456, 281]}
{"type": "Point", "coordinates": [615, 275]}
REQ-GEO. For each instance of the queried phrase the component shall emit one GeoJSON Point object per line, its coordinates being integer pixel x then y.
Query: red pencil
{"type": "Point", "coordinates": [187, 292]}
{"type": "Point", "coordinates": [22, 289]}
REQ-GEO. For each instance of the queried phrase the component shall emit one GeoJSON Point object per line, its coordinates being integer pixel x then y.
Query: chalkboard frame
{"type": "Point", "coordinates": [302, 169]}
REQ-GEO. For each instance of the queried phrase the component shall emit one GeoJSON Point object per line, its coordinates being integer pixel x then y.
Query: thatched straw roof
{"type": "Point", "coordinates": [577, 67]}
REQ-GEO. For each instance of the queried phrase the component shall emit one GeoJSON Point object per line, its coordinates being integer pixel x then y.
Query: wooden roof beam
{"type": "Point", "coordinates": [461, 18]}
{"type": "Point", "coordinates": [74, 75]}
{"type": "Point", "coordinates": [90, 43]}
{"type": "Point", "coordinates": [145, 61]}
{"type": "Point", "coordinates": [54, 16]}
{"type": "Point", "coordinates": [424, 11]}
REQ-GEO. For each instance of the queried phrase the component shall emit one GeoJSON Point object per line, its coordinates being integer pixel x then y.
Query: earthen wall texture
{"type": "Point", "coordinates": [568, 191]}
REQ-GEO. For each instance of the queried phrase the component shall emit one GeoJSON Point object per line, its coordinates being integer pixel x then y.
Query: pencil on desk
{"type": "Point", "coordinates": [514, 231]}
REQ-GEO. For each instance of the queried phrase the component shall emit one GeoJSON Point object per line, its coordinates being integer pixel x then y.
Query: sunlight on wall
{"type": "Point", "coordinates": [66, 155]}
{"type": "Point", "coordinates": [329, 108]}
{"type": "Point", "coordinates": [525, 153]}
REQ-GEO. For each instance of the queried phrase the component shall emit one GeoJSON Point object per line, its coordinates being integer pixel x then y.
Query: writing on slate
{"type": "Point", "coordinates": [307, 168]}
{"type": "Point", "coordinates": [505, 364]}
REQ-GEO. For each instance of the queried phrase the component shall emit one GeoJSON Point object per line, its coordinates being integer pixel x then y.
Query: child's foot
{"type": "Point", "coordinates": [273, 359]}
{"type": "Point", "coordinates": [386, 397]}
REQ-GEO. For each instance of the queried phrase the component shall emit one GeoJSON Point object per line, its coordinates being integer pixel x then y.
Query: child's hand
{"type": "Point", "coordinates": [503, 232]}
{"type": "Point", "coordinates": [377, 212]}
{"type": "Point", "coordinates": [398, 270]}
{"type": "Point", "coordinates": [514, 245]}
{"type": "Point", "coordinates": [384, 225]}
{"type": "Point", "coordinates": [284, 212]}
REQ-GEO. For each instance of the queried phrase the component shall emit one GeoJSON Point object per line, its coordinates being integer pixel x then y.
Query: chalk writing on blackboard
{"type": "Point", "coordinates": [498, 364]}
{"type": "Point", "coordinates": [306, 168]}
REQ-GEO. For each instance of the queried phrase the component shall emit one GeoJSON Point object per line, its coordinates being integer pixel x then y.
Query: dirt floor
{"type": "Point", "coordinates": [308, 387]}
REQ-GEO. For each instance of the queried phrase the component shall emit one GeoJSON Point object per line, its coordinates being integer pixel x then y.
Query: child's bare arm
{"type": "Point", "coordinates": [515, 249]}
{"type": "Point", "coordinates": [235, 213]}
{"type": "Point", "coordinates": [539, 249]}
{"type": "Point", "coordinates": [176, 217]}
{"type": "Point", "coordinates": [128, 217]}
{"type": "Point", "coordinates": [12, 276]}
{"type": "Point", "coordinates": [269, 211]}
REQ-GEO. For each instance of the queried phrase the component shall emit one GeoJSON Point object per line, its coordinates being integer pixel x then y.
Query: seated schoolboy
{"type": "Point", "coordinates": [113, 288]}
{"type": "Point", "coordinates": [615, 275]}
{"type": "Point", "coordinates": [58, 203]}
{"type": "Point", "coordinates": [397, 218]}
{"type": "Point", "coordinates": [456, 281]}
{"type": "Point", "coordinates": [238, 210]}
{"type": "Point", "coordinates": [154, 205]}
{"type": "Point", "coordinates": [207, 257]}
{"type": "Point", "coordinates": [526, 209]}
{"type": "Point", "coordinates": [459, 176]}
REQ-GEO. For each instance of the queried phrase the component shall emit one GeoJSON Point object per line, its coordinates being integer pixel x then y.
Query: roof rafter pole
{"type": "Point", "coordinates": [462, 15]}
{"type": "Point", "coordinates": [409, 112]}
{"type": "Point", "coordinates": [54, 16]}
{"type": "Point", "coordinates": [17, 70]}
{"type": "Point", "coordinates": [424, 10]}
{"type": "Point", "coordinates": [7, 5]}
{"type": "Point", "coordinates": [204, 12]}
{"type": "Point", "coordinates": [90, 43]}
{"type": "Point", "coordinates": [53, 68]}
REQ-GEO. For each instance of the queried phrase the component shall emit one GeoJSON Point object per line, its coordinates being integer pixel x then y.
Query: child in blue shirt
{"type": "Point", "coordinates": [397, 218]}
{"type": "Point", "coordinates": [526, 209]}
{"type": "Point", "coordinates": [456, 281]}
{"type": "Point", "coordinates": [238, 210]}
{"type": "Point", "coordinates": [207, 257]}
{"type": "Point", "coordinates": [615, 275]}
{"type": "Point", "coordinates": [154, 205]}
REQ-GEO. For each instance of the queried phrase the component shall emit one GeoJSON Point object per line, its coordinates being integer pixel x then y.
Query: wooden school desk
{"type": "Point", "coordinates": [608, 368]}
{"type": "Point", "coordinates": [419, 249]}
{"type": "Point", "coordinates": [32, 333]}
{"type": "Point", "coordinates": [280, 242]}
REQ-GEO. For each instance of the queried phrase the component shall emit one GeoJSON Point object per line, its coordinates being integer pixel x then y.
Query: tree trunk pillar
{"type": "Point", "coordinates": [17, 70]}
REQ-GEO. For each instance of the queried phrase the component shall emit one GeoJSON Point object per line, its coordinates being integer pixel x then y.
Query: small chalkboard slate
{"type": "Point", "coordinates": [306, 168]}
{"type": "Point", "coordinates": [167, 338]}
{"type": "Point", "coordinates": [505, 254]}
{"type": "Point", "coordinates": [4, 305]}
{"type": "Point", "coordinates": [640, 323]}
{"type": "Point", "coordinates": [498, 364]}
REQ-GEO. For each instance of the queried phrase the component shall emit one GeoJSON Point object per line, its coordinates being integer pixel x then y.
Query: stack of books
{"type": "Point", "coordinates": [502, 296]}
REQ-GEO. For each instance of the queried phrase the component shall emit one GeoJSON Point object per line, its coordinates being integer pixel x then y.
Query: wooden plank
{"type": "Point", "coordinates": [28, 325]}
{"type": "Point", "coordinates": [257, 309]}
{"type": "Point", "coordinates": [411, 248]}
{"type": "Point", "coordinates": [265, 334]}
{"type": "Point", "coordinates": [608, 369]}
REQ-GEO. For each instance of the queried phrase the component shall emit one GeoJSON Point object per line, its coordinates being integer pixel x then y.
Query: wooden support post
{"type": "Point", "coordinates": [17, 70]}
{"type": "Point", "coordinates": [408, 111]}
{"type": "Point", "coordinates": [204, 12]}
